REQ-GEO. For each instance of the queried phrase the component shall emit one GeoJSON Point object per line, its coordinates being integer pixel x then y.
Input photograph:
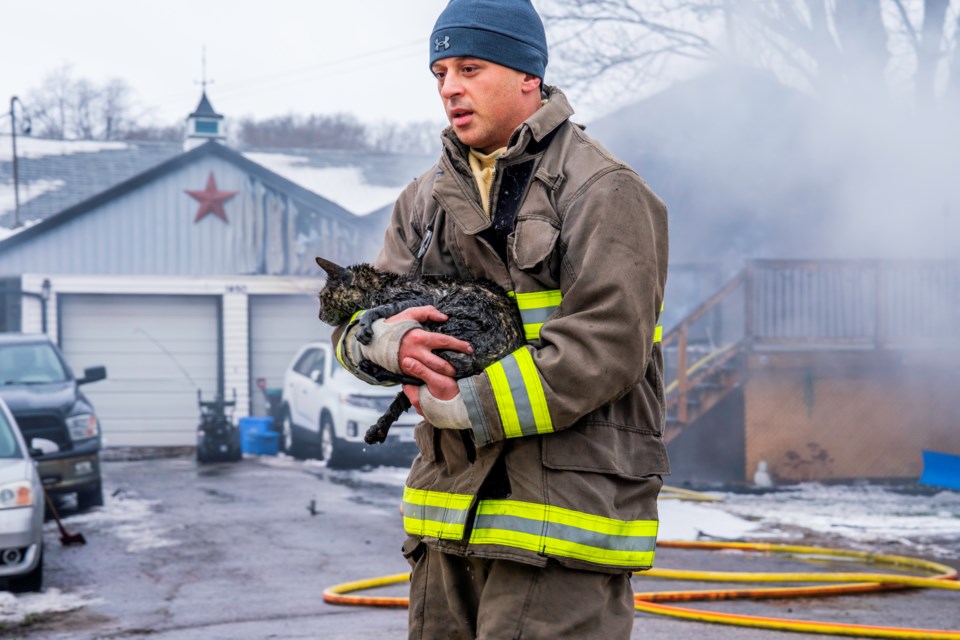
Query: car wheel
{"type": "Point", "coordinates": [290, 441]}
{"type": "Point", "coordinates": [335, 451]}
{"type": "Point", "coordinates": [90, 498]}
{"type": "Point", "coordinates": [32, 581]}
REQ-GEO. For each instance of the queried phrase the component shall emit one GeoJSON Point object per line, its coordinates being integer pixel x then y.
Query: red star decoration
{"type": "Point", "coordinates": [211, 200]}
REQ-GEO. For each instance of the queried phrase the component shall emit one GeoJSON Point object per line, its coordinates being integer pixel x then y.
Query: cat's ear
{"type": "Point", "coordinates": [333, 270]}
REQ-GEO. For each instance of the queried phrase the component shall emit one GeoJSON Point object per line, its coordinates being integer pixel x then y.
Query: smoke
{"type": "Point", "coordinates": [843, 144]}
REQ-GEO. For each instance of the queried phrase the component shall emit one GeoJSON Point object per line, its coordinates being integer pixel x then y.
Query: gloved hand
{"type": "Point", "coordinates": [384, 349]}
{"type": "Point", "coordinates": [444, 414]}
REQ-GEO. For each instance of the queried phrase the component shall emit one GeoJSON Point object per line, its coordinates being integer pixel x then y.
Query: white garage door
{"type": "Point", "coordinates": [157, 350]}
{"type": "Point", "coordinates": [279, 325]}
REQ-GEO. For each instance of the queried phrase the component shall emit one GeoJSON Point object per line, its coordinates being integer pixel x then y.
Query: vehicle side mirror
{"type": "Point", "coordinates": [317, 376]}
{"type": "Point", "coordinates": [41, 447]}
{"type": "Point", "coordinates": [93, 374]}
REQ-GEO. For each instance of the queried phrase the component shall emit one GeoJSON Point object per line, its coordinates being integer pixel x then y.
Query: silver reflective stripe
{"type": "Point", "coordinates": [536, 316]}
{"type": "Point", "coordinates": [478, 421]}
{"type": "Point", "coordinates": [521, 398]}
{"type": "Point", "coordinates": [436, 514]}
{"type": "Point", "coordinates": [569, 533]}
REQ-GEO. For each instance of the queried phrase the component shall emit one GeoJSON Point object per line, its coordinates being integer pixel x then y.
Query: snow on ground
{"type": "Point", "coordinates": [128, 518]}
{"type": "Point", "coordinates": [864, 514]}
{"type": "Point", "coordinates": [15, 608]}
{"type": "Point", "coordinates": [343, 185]}
{"type": "Point", "coordinates": [684, 520]}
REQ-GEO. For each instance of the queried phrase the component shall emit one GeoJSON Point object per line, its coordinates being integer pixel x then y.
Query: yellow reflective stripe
{"type": "Point", "coordinates": [561, 515]}
{"type": "Point", "coordinates": [539, 299]}
{"type": "Point", "coordinates": [340, 344]}
{"type": "Point", "coordinates": [435, 513]}
{"type": "Point", "coordinates": [517, 390]}
{"type": "Point", "coordinates": [532, 331]}
{"type": "Point", "coordinates": [566, 533]}
{"type": "Point", "coordinates": [504, 398]}
{"type": "Point", "coordinates": [535, 308]}
{"type": "Point", "coordinates": [538, 402]}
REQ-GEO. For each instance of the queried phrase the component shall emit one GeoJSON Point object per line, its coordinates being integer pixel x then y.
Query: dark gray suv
{"type": "Point", "coordinates": [53, 414]}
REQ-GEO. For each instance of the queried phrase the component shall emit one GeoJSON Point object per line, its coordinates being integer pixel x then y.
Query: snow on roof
{"type": "Point", "coordinates": [28, 147]}
{"type": "Point", "coordinates": [27, 190]}
{"type": "Point", "coordinates": [345, 185]}
{"type": "Point", "coordinates": [6, 233]}
{"type": "Point", "coordinates": [56, 174]}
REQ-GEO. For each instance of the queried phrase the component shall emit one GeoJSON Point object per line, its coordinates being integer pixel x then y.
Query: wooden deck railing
{"type": "Point", "coordinates": [814, 305]}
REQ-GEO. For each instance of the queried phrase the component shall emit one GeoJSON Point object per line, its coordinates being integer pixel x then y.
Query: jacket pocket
{"type": "Point", "coordinates": [534, 242]}
{"type": "Point", "coordinates": [601, 447]}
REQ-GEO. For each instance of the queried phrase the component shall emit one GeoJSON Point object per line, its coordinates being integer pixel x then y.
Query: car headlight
{"type": "Point", "coordinates": [16, 494]}
{"type": "Point", "coordinates": [82, 426]}
{"type": "Point", "coordinates": [377, 403]}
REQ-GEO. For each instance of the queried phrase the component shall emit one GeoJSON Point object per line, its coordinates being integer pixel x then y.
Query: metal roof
{"type": "Point", "coordinates": [67, 173]}
{"type": "Point", "coordinates": [205, 109]}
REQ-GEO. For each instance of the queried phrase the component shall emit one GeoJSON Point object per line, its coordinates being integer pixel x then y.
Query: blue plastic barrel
{"type": "Point", "coordinates": [256, 436]}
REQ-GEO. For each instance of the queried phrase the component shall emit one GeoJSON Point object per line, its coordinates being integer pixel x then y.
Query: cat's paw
{"type": "Point", "coordinates": [364, 332]}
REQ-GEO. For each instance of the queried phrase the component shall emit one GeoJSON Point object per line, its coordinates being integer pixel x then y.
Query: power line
{"type": "Point", "coordinates": [241, 91]}
{"type": "Point", "coordinates": [274, 77]}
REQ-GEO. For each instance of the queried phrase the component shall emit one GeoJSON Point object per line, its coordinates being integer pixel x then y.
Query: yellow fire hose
{"type": "Point", "coordinates": [941, 577]}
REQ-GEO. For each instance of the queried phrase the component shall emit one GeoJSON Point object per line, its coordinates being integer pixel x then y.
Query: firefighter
{"type": "Point", "coordinates": [534, 495]}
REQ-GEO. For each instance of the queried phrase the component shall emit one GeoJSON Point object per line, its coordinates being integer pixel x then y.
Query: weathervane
{"type": "Point", "coordinates": [203, 70]}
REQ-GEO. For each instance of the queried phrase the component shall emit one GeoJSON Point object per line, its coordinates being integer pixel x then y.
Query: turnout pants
{"type": "Point", "coordinates": [458, 598]}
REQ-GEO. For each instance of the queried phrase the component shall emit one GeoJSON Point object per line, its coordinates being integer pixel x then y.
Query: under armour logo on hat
{"type": "Point", "coordinates": [445, 43]}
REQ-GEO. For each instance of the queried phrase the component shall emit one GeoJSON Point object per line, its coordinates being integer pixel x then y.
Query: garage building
{"type": "Point", "coordinates": [194, 271]}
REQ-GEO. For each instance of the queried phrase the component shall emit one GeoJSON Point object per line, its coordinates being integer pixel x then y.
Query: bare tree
{"type": "Point", "coordinates": [338, 131]}
{"type": "Point", "coordinates": [49, 104]}
{"type": "Point", "coordinates": [413, 137]}
{"type": "Point", "coordinates": [67, 107]}
{"type": "Point", "coordinates": [115, 109]}
{"type": "Point", "coordinates": [820, 46]}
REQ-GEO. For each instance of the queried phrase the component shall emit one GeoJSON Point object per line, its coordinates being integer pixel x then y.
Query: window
{"type": "Point", "coordinates": [316, 371]}
{"type": "Point", "coordinates": [35, 363]}
{"type": "Point", "coordinates": [305, 363]}
{"type": "Point", "coordinates": [8, 442]}
{"type": "Point", "coordinates": [205, 126]}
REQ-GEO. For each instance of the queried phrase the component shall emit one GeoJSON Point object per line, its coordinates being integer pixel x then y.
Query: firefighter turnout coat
{"type": "Point", "coordinates": [566, 453]}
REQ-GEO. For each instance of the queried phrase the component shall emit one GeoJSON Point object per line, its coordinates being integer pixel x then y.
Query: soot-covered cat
{"type": "Point", "coordinates": [478, 311]}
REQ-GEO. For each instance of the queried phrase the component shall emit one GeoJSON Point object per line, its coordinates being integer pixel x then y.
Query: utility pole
{"type": "Point", "coordinates": [13, 136]}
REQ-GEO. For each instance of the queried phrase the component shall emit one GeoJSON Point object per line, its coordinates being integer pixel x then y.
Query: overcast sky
{"type": "Point", "coordinates": [265, 57]}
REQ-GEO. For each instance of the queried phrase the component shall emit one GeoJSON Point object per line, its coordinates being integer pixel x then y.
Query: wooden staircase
{"type": "Point", "coordinates": [780, 306]}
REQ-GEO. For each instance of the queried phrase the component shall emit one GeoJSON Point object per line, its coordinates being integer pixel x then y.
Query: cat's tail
{"type": "Point", "coordinates": [378, 432]}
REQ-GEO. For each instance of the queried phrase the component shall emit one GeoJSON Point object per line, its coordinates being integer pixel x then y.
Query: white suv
{"type": "Point", "coordinates": [326, 412]}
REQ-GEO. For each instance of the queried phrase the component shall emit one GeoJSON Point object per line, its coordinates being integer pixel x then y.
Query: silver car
{"type": "Point", "coordinates": [21, 511]}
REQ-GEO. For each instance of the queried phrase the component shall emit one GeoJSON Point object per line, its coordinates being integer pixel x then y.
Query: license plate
{"type": "Point", "coordinates": [83, 468]}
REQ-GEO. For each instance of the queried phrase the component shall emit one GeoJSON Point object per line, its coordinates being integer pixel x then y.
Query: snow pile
{"type": "Point", "coordinates": [680, 520]}
{"type": "Point", "coordinates": [130, 519]}
{"type": "Point", "coordinates": [866, 514]}
{"type": "Point", "coordinates": [343, 185]}
{"type": "Point", "coordinates": [13, 609]}
{"type": "Point", "coordinates": [283, 461]}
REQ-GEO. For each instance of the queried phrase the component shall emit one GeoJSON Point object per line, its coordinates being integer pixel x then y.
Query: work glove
{"type": "Point", "coordinates": [384, 349]}
{"type": "Point", "coordinates": [444, 414]}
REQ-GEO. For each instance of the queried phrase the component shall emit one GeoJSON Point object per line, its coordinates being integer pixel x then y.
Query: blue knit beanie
{"type": "Point", "coordinates": [507, 32]}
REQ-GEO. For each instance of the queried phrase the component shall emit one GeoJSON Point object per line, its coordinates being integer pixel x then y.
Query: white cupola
{"type": "Point", "coordinates": [203, 124]}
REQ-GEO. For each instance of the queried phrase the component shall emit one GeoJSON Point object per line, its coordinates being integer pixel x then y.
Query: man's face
{"type": "Point", "coordinates": [484, 101]}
